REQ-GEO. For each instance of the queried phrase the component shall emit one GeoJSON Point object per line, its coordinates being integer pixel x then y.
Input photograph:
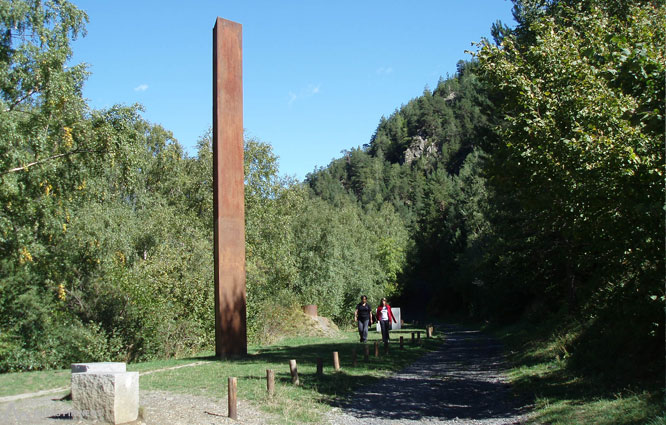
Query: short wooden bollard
{"type": "Point", "coordinates": [320, 366]}
{"type": "Point", "coordinates": [429, 331]}
{"type": "Point", "coordinates": [366, 353]}
{"type": "Point", "coordinates": [294, 372]}
{"type": "Point", "coordinates": [336, 361]}
{"type": "Point", "coordinates": [413, 338]}
{"type": "Point", "coordinates": [233, 410]}
{"type": "Point", "coordinates": [354, 357]}
{"type": "Point", "coordinates": [401, 343]}
{"type": "Point", "coordinates": [270, 382]}
{"type": "Point", "coordinates": [376, 348]}
{"type": "Point", "coordinates": [418, 337]}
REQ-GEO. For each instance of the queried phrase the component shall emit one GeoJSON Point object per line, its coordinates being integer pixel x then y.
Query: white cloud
{"type": "Point", "coordinates": [141, 87]}
{"type": "Point", "coordinates": [384, 70]}
{"type": "Point", "coordinates": [304, 93]}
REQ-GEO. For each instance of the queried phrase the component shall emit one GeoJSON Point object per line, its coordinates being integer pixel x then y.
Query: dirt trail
{"type": "Point", "coordinates": [461, 383]}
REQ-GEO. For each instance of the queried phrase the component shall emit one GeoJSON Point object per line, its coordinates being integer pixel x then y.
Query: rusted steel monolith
{"type": "Point", "coordinates": [228, 190]}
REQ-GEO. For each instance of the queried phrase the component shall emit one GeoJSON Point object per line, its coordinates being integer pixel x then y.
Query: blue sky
{"type": "Point", "coordinates": [317, 75]}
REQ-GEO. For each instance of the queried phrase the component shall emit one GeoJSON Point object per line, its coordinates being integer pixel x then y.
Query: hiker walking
{"type": "Point", "coordinates": [385, 318]}
{"type": "Point", "coordinates": [363, 316]}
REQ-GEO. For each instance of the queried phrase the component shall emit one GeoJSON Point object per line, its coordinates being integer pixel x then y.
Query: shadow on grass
{"type": "Point", "coordinates": [308, 354]}
{"type": "Point", "coordinates": [458, 382]}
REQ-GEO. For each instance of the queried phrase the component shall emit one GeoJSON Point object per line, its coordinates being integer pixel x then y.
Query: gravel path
{"type": "Point", "coordinates": [159, 408]}
{"type": "Point", "coordinates": [461, 383]}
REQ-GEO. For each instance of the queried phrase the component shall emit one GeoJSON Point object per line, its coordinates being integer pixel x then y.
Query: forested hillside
{"type": "Point", "coordinates": [532, 181]}
{"type": "Point", "coordinates": [527, 186]}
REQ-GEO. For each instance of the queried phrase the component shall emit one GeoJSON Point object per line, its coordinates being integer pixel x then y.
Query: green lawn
{"type": "Point", "coordinates": [304, 403]}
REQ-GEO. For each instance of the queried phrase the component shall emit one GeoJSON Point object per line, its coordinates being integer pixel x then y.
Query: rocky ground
{"type": "Point", "coordinates": [158, 408]}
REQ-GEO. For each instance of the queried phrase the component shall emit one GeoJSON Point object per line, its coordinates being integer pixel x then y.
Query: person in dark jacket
{"type": "Point", "coordinates": [385, 317]}
{"type": "Point", "coordinates": [363, 317]}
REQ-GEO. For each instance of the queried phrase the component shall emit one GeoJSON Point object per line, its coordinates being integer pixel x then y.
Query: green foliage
{"type": "Point", "coordinates": [578, 169]}
{"type": "Point", "coordinates": [344, 253]}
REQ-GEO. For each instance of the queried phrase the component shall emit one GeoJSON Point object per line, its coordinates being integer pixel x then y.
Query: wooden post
{"type": "Point", "coordinates": [366, 352]}
{"type": "Point", "coordinates": [320, 366]}
{"type": "Point", "coordinates": [233, 408]}
{"type": "Point", "coordinates": [376, 348]}
{"type": "Point", "coordinates": [354, 357]}
{"type": "Point", "coordinates": [401, 343]}
{"type": "Point", "coordinates": [429, 331]}
{"type": "Point", "coordinates": [413, 338]}
{"type": "Point", "coordinates": [418, 337]}
{"type": "Point", "coordinates": [270, 382]}
{"type": "Point", "coordinates": [336, 361]}
{"type": "Point", "coordinates": [294, 372]}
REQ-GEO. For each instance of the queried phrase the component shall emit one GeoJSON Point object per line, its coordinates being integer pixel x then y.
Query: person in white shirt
{"type": "Point", "coordinates": [385, 318]}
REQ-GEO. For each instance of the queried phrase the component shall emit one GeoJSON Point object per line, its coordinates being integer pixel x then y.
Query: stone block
{"type": "Point", "coordinates": [112, 397]}
{"type": "Point", "coordinates": [99, 367]}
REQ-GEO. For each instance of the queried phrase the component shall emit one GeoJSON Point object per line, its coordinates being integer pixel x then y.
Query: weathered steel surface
{"type": "Point", "coordinates": [228, 190]}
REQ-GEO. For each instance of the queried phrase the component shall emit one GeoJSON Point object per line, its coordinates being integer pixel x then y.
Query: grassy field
{"type": "Point", "coordinates": [562, 396]}
{"type": "Point", "coordinates": [305, 403]}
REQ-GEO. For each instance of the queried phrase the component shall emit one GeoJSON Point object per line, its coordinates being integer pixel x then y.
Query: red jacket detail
{"type": "Point", "coordinates": [390, 313]}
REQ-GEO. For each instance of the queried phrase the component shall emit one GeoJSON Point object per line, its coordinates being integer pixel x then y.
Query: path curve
{"type": "Point", "coordinates": [460, 383]}
{"type": "Point", "coordinates": [63, 389]}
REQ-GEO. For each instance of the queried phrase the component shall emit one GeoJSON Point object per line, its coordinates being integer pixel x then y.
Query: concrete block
{"type": "Point", "coordinates": [112, 397]}
{"type": "Point", "coordinates": [99, 367]}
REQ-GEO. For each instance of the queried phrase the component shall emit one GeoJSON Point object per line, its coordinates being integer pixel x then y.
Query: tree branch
{"type": "Point", "coordinates": [21, 99]}
{"type": "Point", "coordinates": [60, 155]}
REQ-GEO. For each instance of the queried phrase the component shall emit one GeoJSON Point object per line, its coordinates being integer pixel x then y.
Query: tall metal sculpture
{"type": "Point", "coordinates": [228, 190]}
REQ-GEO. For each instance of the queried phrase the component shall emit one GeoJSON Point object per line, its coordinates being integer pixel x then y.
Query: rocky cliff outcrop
{"type": "Point", "coordinates": [418, 148]}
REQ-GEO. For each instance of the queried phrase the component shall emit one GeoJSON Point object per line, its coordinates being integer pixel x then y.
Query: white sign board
{"type": "Point", "coordinates": [396, 314]}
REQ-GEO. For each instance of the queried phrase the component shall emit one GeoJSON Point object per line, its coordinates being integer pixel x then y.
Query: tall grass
{"type": "Point", "coordinates": [567, 395]}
